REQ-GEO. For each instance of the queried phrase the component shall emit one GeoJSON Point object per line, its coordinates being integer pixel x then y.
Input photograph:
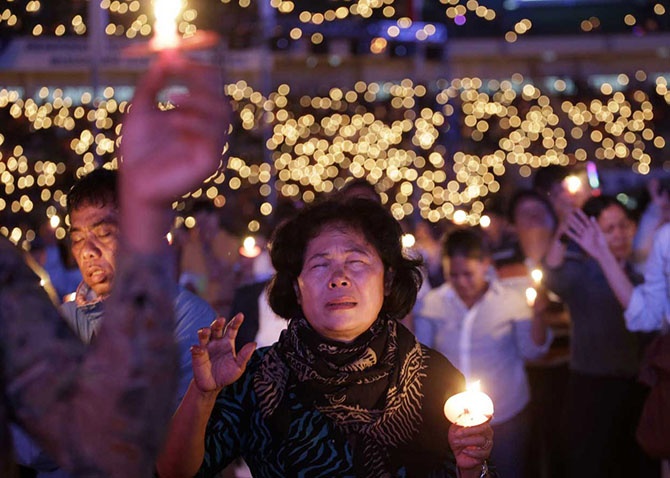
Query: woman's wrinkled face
{"type": "Point", "coordinates": [341, 285]}
{"type": "Point", "coordinates": [619, 231]}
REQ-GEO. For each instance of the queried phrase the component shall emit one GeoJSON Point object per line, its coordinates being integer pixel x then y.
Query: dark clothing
{"type": "Point", "coordinates": [602, 414]}
{"type": "Point", "coordinates": [600, 343]}
{"type": "Point", "coordinates": [604, 399]}
{"type": "Point", "coordinates": [245, 301]}
{"type": "Point", "coordinates": [303, 434]}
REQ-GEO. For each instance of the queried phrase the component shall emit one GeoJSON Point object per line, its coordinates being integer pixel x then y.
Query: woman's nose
{"type": "Point", "coordinates": [338, 280]}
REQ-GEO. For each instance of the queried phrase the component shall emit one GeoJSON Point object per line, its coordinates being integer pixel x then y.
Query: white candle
{"type": "Point", "coordinates": [531, 295]}
{"type": "Point", "coordinates": [470, 408]}
{"type": "Point", "coordinates": [165, 26]}
{"type": "Point", "coordinates": [249, 247]}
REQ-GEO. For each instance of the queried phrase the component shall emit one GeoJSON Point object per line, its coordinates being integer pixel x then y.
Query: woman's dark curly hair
{"type": "Point", "coordinates": [289, 244]}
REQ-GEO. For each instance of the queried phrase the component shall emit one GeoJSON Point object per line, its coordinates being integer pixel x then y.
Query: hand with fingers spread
{"type": "Point", "coordinates": [586, 232]}
{"type": "Point", "coordinates": [216, 363]}
{"type": "Point", "coordinates": [471, 446]}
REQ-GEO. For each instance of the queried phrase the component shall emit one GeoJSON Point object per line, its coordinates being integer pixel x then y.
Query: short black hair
{"type": "Point", "coordinates": [595, 206]}
{"type": "Point", "coordinates": [97, 188]}
{"type": "Point", "coordinates": [467, 242]}
{"type": "Point", "coordinates": [291, 238]}
{"type": "Point", "coordinates": [359, 187]}
{"type": "Point", "coordinates": [545, 178]}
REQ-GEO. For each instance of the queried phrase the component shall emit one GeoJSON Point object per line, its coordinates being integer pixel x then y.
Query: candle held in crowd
{"type": "Point", "coordinates": [470, 408]}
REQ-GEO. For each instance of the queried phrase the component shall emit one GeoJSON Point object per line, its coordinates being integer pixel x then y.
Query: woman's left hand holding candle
{"type": "Point", "coordinates": [471, 446]}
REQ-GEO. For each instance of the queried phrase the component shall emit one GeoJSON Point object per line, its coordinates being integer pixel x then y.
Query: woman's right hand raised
{"type": "Point", "coordinates": [215, 362]}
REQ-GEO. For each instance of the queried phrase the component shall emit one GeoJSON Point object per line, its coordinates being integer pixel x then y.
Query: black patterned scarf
{"type": "Point", "coordinates": [371, 388]}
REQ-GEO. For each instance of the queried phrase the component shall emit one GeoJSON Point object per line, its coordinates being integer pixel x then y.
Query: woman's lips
{"type": "Point", "coordinates": [341, 304]}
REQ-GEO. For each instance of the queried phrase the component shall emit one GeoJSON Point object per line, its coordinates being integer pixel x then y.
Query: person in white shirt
{"type": "Point", "coordinates": [487, 330]}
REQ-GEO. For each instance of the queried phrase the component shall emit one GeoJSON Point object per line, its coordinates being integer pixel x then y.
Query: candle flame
{"type": "Point", "coordinates": [531, 295]}
{"type": "Point", "coordinates": [408, 240]}
{"type": "Point", "coordinates": [473, 386]}
{"type": "Point", "coordinates": [54, 222]}
{"type": "Point", "coordinates": [572, 184]}
{"type": "Point", "coordinates": [249, 243]}
{"type": "Point", "coordinates": [249, 247]}
{"type": "Point", "coordinates": [536, 275]}
{"type": "Point", "coordinates": [469, 408]}
{"type": "Point", "coordinates": [165, 26]}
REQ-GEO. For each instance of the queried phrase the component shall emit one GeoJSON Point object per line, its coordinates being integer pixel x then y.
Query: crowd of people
{"type": "Point", "coordinates": [334, 351]}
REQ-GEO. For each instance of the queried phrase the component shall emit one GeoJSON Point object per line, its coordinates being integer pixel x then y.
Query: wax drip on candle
{"type": "Point", "coordinates": [469, 408]}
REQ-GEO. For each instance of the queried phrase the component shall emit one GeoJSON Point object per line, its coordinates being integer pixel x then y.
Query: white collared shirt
{"type": "Point", "coordinates": [489, 342]}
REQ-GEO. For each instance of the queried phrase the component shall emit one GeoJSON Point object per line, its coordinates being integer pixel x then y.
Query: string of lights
{"type": "Point", "coordinates": [435, 149]}
{"type": "Point", "coordinates": [386, 132]}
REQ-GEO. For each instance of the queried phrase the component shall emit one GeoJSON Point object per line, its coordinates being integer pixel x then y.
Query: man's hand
{"type": "Point", "coordinates": [166, 154]}
{"type": "Point", "coordinates": [169, 153]}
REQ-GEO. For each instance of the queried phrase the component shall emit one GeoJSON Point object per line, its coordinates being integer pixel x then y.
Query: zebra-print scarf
{"type": "Point", "coordinates": [371, 388]}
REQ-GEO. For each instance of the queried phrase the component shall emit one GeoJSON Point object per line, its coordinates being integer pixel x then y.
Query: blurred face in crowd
{"type": "Point", "coordinates": [94, 237]}
{"type": "Point", "coordinates": [468, 276]}
{"type": "Point", "coordinates": [534, 225]}
{"type": "Point", "coordinates": [570, 194]}
{"type": "Point", "coordinates": [530, 213]}
{"type": "Point", "coordinates": [619, 231]}
{"type": "Point", "coordinates": [341, 285]}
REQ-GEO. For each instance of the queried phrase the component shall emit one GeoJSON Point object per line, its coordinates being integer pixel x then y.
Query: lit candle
{"type": "Point", "coordinates": [572, 184]}
{"type": "Point", "coordinates": [408, 240]}
{"type": "Point", "coordinates": [165, 27]}
{"type": "Point", "coordinates": [470, 408]}
{"type": "Point", "coordinates": [531, 295]}
{"type": "Point", "coordinates": [54, 222]}
{"type": "Point", "coordinates": [536, 275]}
{"type": "Point", "coordinates": [166, 33]}
{"type": "Point", "coordinates": [249, 247]}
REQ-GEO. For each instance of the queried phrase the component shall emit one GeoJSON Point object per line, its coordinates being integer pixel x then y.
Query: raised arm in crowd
{"type": "Point", "coordinates": [102, 411]}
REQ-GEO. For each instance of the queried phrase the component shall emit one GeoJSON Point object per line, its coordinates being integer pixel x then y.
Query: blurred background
{"type": "Point", "coordinates": [446, 106]}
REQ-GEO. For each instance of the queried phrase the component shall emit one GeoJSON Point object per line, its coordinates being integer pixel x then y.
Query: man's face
{"type": "Point", "coordinates": [468, 277]}
{"type": "Point", "coordinates": [94, 237]}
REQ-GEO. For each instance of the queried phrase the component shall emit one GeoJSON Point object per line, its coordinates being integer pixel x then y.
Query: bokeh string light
{"type": "Point", "coordinates": [435, 149]}
{"type": "Point", "coordinates": [391, 133]}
